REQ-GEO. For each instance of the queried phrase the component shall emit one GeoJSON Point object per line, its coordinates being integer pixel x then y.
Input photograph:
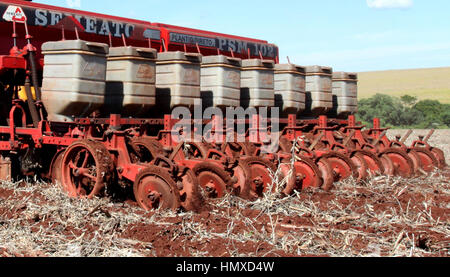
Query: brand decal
{"type": "Point", "coordinates": [225, 44]}
{"type": "Point", "coordinates": [90, 24]}
{"type": "Point", "coordinates": [48, 18]}
{"type": "Point", "coordinates": [14, 13]}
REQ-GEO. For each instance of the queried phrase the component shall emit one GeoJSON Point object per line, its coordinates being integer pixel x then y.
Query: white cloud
{"type": "Point", "coordinates": [390, 4]}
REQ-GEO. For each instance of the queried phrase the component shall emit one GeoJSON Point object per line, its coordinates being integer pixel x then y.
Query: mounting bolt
{"type": "Point", "coordinates": [180, 185]}
{"type": "Point", "coordinates": [300, 177]}
{"type": "Point", "coordinates": [76, 172]}
{"type": "Point", "coordinates": [258, 182]}
{"type": "Point", "coordinates": [153, 196]}
{"type": "Point", "coordinates": [234, 180]}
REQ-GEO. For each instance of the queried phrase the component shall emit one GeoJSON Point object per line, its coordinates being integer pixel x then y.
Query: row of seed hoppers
{"type": "Point", "coordinates": [101, 125]}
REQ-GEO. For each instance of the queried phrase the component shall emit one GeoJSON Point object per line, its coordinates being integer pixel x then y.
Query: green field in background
{"type": "Point", "coordinates": [430, 83]}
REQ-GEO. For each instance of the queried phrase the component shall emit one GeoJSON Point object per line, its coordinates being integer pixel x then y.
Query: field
{"type": "Point", "coordinates": [380, 217]}
{"type": "Point", "coordinates": [432, 83]}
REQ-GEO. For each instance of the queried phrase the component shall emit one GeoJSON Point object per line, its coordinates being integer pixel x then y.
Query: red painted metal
{"type": "Point", "coordinates": [46, 20]}
{"type": "Point", "coordinates": [12, 62]}
{"type": "Point", "coordinates": [326, 150]}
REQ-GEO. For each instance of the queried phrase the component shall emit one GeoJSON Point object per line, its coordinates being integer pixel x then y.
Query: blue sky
{"type": "Point", "coordinates": [349, 35]}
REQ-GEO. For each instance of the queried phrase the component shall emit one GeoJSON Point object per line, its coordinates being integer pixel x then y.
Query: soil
{"type": "Point", "coordinates": [383, 216]}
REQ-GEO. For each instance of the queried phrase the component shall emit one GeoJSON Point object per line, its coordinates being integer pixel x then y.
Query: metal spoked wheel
{"type": "Point", "coordinates": [87, 168]}
{"type": "Point", "coordinates": [155, 189]}
{"type": "Point", "coordinates": [186, 181]}
{"type": "Point", "coordinates": [237, 170]}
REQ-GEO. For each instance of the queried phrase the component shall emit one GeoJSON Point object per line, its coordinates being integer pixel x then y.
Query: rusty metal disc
{"type": "Point", "coordinates": [361, 165]}
{"type": "Point", "coordinates": [417, 163]}
{"type": "Point", "coordinates": [242, 187]}
{"type": "Point", "coordinates": [285, 145]}
{"type": "Point", "coordinates": [188, 185]}
{"type": "Point", "coordinates": [191, 150]}
{"type": "Point", "coordinates": [305, 175]}
{"type": "Point", "coordinates": [87, 168]}
{"type": "Point", "coordinates": [389, 168]}
{"type": "Point", "coordinates": [155, 189]}
{"type": "Point", "coordinates": [427, 158]}
{"type": "Point", "coordinates": [56, 168]}
{"type": "Point", "coordinates": [144, 149]}
{"type": "Point", "coordinates": [439, 154]}
{"type": "Point", "coordinates": [288, 173]}
{"type": "Point", "coordinates": [237, 149]}
{"type": "Point", "coordinates": [310, 138]}
{"type": "Point", "coordinates": [215, 181]}
{"type": "Point", "coordinates": [403, 164]}
{"type": "Point", "coordinates": [343, 167]}
{"type": "Point", "coordinates": [327, 174]}
{"type": "Point", "coordinates": [340, 137]}
{"type": "Point", "coordinates": [251, 148]}
{"type": "Point", "coordinates": [380, 146]}
{"type": "Point", "coordinates": [374, 165]}
{"type": "Point", "coordinates": [261, 171]}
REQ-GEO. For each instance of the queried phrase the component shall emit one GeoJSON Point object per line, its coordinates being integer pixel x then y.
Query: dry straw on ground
{"type": "Point", "coordinates": [380, 217]}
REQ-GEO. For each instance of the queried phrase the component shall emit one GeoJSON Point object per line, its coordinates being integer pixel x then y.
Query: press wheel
{"type": "Point", "coordinates": [305, 175]}
{"type": "Point", "coordinates": [439, 154]}
{"type": "Point", "coordinates": [403, 164]}
{"type": "Point", "coordinates": [427, 158]}
{"type": "Point", "coordinates": [261, 175]}
{"type": "Point", "coordinates": [343, 167]}
{"type": "Point", "coordinates": [215, 181]}
{"type": "Point", "coordinates": [155, 189]}
{"type": "Point", "coordinates": [374, 165]}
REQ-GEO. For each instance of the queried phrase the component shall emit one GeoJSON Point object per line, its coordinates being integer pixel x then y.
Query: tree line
{"type": "Point", "coordinates": [404, 112]}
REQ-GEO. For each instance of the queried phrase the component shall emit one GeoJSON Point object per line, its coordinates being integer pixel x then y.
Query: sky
{"type": "Point", "coordinates": [348, 35]}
